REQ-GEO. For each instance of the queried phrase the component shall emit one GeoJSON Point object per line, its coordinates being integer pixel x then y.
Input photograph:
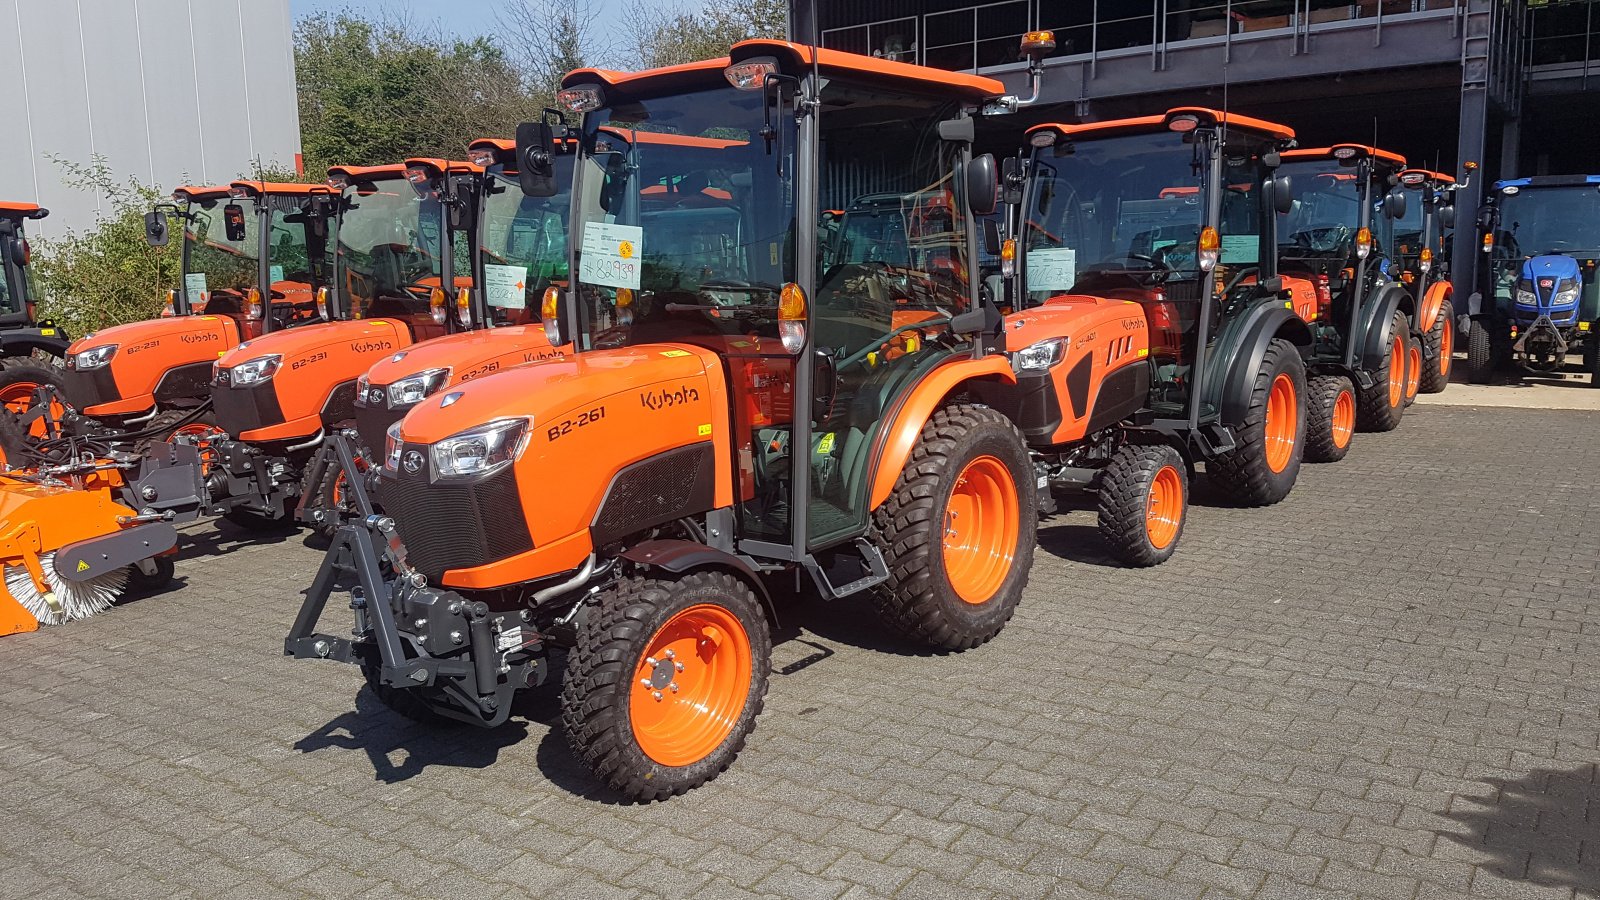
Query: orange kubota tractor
{"type": "Point", "coordinates": [277, 396]}
{"type": "Point", "coordinates": [254, 255]}
{"type": "Point", "coordinates": [1422, 243]}
{"type": "Point", "coordinates": [741, 410]}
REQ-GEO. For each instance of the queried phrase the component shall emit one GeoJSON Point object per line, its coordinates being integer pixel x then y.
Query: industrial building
{"type": "Point", "coordinates": [166, 91]}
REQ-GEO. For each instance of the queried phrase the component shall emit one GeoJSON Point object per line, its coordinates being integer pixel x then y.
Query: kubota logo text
{"type": "Point", "coordinates": [662, 398]}
{"type": "Point", "coordinates": [199, 338]}
{"type": "Point", "coordinates": [370, 346]}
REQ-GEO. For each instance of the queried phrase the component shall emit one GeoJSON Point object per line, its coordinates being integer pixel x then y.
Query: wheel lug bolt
{"type": "Point", "coordinates": [670, 654]}
{"type": "Point", "coordinates": [649, 660]}
{"type": "Point", "coordinates": [656, 694]}
{"type": "Point", "coordinates": [673, 687]}
{"type": "Point", "coordinates": [645, 682]}
{"type": "Point", "coordinates": [679, 666]}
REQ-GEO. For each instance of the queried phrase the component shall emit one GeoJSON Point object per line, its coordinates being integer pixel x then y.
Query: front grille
{"type": "Point", "coordinates": [456, 525]}
{"type": "Point", "coordinates": [91, 388]}
{"type": "Point", "coordinates": [372, 424]}
{"type": "Point", "coordinates": [672, 485]}
{"type": "Point", "coordinates": [246, 409]}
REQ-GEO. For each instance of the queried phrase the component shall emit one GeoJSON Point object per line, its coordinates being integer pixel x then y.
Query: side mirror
{"type": "Point", "coordinates": [1011, 180]}
{"type": "Point", "coordinates": [233, 222]}
{"type": "Point", "coordinates": [991, 237]}
{"type": "Point", "coordinates": [824, 384]}
{"type": "Point", "coordinates": [536, 159]}
{"type": "Point", "coordinates": [1447, 216]}
{"type": "Point", "coordinates": [1282, 194]}
{"type": "Point", "coordinates": [155, 228]}
{"type": "Point", "coordinates": [1394, 204]}
{"type": "Point", "coordinates": [982, 184]}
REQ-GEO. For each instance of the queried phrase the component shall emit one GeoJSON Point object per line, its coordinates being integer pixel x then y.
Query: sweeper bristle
{"type": "Point", "coordinates": [72, 599]}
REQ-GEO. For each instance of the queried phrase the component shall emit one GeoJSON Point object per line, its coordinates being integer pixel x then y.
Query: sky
{"type": "Point", "coordinates": [462, 18]}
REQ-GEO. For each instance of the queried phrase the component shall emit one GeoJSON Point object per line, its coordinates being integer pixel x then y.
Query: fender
{"type": "Point", "coordinates": [901, 431]}
{"type": "Point", "coordinates": [678, 556]}
{"type": "Point", "coordinates": [1432, 302]}
{"type": "Point", "coordinates": [23, 341]}
{"type": "Point", "coordinates": [1242, 348]}
{"type": "Point", "coordinates": [1375, 321]}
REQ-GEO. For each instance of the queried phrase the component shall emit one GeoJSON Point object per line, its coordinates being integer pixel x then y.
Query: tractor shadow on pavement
{"type": "Point", "coordinates": [381, 734]}
{"type": "Point", "coordinates": [1538, 828]}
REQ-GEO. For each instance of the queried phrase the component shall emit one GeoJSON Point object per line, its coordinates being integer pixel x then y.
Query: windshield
{"type": "Point", "coordinates": [524, 245]}
{"type": "Point", "coordinates": [691, 214]}
{"type": "Point", "coordinates": [389, 242]}
{"type": "Point", "coordinates": [1540, 220]}
{"type": "Point", "coordinates": [1326, 213]}
{"type": "Point", "coordinates": [1132, 206]}
{"type": "Point", "coordinates": [219, 267]}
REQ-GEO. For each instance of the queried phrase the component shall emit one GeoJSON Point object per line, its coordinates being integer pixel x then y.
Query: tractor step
{"type": "Point", "coordinates": [865, 568]}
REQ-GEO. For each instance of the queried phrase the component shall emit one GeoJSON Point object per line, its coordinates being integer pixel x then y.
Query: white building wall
{"type": "Point", "coordinates": [168, 91]}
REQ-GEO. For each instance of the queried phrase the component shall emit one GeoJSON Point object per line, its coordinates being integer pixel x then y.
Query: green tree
{"type": "Point", "coordinates": [667, 35]}
{"type": "Point", "coordinates": [107, 273]}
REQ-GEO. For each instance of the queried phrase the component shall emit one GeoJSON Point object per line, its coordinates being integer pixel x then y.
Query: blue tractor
{"type": "Point", "coordinates": [1537, 298]}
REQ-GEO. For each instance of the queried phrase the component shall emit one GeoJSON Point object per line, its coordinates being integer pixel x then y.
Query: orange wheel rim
{"type": "Point", "coordinates": [980, 529]}
{"type": "Point", "coordinates": [1413, 371]}
{"type": "Point", "coordinates": [1447, 348]}
{"type": "Point", "coordinates": [690, 685]}
{"type": "Point", "coordinates": [1164, 511]}
{"type": "Point", "coordinates": [1282, 423]}
{"type": "Point", "coordinates": [17, 398]}
{"type": "Point", "coordinates": [1344, 418]}
{"type": "Point", "coordinates": [1397, 371]}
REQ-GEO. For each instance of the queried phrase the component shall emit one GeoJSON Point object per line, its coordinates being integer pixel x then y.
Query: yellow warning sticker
{"type": "Point", "coordinates": [705, 430]}
{"type": "Point", "coordinates": [674, 353]}
{"type": "Point", "coordinates": [47, 331]}
{"type": "Point", "coordinates": [83, 565]}
{"type": "Point", "coordinates": [826, 444]}
{"type": "Point", "coordinates": [1143, 352]}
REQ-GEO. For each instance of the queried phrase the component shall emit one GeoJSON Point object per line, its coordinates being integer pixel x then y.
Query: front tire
{"type": "Point", "coordinates": [1330, 418]}
{"type": "Point", "coordinates": [959, 530]}
{"type": "Point", "coordinates": [1383, 404]}
{"type": "Point", "coordinates": [1413, 367]}
{"type": "Point", "coordinates": [665, 681]}
{"type": "Point", "coordinates": [1262, 468]}
{"type": "Point", "coordinates": [1143, 504]}
{"type": "Point", "coordinates": [1480, 354]}
{"type": "Point", "coordinates": [1439, 348]}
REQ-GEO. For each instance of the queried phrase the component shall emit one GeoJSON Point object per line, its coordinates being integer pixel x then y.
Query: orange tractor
{"type": "Point", "coordinates": [30, 349]}
{"type": "Point", "coordinates": [254, 256]}
{"type": "Point", "coordinates": [1422, 243]}
{"type": "Point", "coordinates": [741, 411]}
{"type": "Point", "coordinates": [1336, 244]}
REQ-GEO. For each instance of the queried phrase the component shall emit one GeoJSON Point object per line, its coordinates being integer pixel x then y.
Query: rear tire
{"type": "Point", "coordinates": [1383, 404]}
{"type": "Point", "coordinates": [649, 742]}
{"type": "Point", "coordinates": [1413, 367]}
{"type": "Point", "coordinates": [1143, 504]}
{"type": "Point", "coordinates": [1591, 355]}
{"type": "Point", "coordinates": [1262, 469]}
{"type": "Point", "coordinates": [20, 378]}
{"type": "Point", "coordinates": [1480, 354]}
{"type": "Point", "coordinates": [1330, 418]}
{"type": "Point", "coordinates": [1438, 350]}
{"type": "Point", "coordinates": [954, 582]}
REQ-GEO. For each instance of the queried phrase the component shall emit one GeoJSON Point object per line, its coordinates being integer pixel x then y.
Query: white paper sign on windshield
{"type": "Point", "coordinates": [505, 287]}
{"type": "Point", "coordinates": [1052, 268]}
{"type": "Point", "coordinates": [194, 284]}
{"type": "Point", "coordinates": [274, 274]}
{"type": "Point", "coordinates": [611, 255]}
{"type": "Point", "coordinates": [1241, 248]}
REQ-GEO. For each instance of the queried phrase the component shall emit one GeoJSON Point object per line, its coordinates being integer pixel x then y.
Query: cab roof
{"type": "Point", "coordinates": [201, 192]}
{"type": "Point", "coordinates": [12, 210]}
{"type": "Point", "coordinates": [1548, 181]}
{"type": "Point", "coordinates": [453, 166]}
{"type": "Point", "coordinates": [280, 188]}
{"type": "Point", "coordinates": [795, 58]}
{"type": "Point", "coordinates": [1437, 179]}
{"type": "Point", "coordinates": [369, 173]}
{"type": "Point", "coordinates": [1385, 157]}
{"type": "Point", "coordinates": [1139, 124]}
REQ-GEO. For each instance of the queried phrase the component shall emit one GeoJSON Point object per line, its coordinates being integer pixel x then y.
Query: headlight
{"type": "Point", "coordinates": [410, 391]}
{"type": "Point", "coordinates": [1525, 295]}
{"type": "Point", "coordinates": [1566, 297]}
{"type": "Point", "coordinates": [480, 450]}
{"type": "Point", "coordinates": [391, 448]}
{"type": "Point", "coordinates": [361, 390]}
{"type": "Point", "coordinates": [253, 371]}
{"type": "Point", "coordinates": [1040, 356]}
{"type": "Point", "coordinates": [95, 357]}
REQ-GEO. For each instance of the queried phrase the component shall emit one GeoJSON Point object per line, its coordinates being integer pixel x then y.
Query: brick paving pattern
{"type": "Point", "coordinates": [1386, 686]}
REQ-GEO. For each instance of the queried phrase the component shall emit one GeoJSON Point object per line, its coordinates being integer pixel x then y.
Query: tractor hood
{"type": "Point", "coordinates": [351, 345]}
{"type": "Point", "coordinates": [144, 363]}
{"type": "Point", "coordinates": [629, 384]}
{"type": "Point", "coordinates": [1554, 266]}
{"type": "Point", "coordinates": [211, 334]}
{"type": "Point", "coordinates": [469, 355]}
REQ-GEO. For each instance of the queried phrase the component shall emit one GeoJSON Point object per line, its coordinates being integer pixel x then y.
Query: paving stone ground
{"type": "Point", "coordinates": [1387, 686]}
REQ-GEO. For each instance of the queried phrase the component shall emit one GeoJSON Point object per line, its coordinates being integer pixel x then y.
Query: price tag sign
{"type": "Point", "coordinates": [274, 274]}
{"type": "Point", "coordinates": [505, 287]}
{"type": "Point", "coordinates": [1240, 248]}
{"type": "Point", "coordinates": [611, 255]}
{"type": "Point", "coordinates": [1052, 268]}
{"type": "Point", "coordinates": [194, 284]}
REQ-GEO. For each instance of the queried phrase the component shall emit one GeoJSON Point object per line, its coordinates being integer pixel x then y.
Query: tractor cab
{"type": "Point", "coordinates": [1170, 212]}
{"type": "Point", "coordinates": [254, 256]}
{"type": "Point", "coordinates": [1421, 234]}
{"type": "Point", "coordinates": [1537, 295]}
{"type": "Point", "coordinates": [21, 332]}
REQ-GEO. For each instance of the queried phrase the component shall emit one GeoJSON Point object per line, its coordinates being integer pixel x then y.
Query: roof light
{"type": "Point", "coordinates": [1038, 42]}
{"type": "Point", "coordinates": [1510, 190]}
{"type": "Point", "coordinates": [1008, 257]}
{"type": "Point", "coordinates": [1425, 260]}
{"type": "Point", "coordinates": [1183, 123]}
{"type": "Point", "coordinates": [180, 195]}
{"type": "Point", "coordinates": [1042, 138]}
{"type": "Point", "coordinates": [239, 192]}
{"type": "Point", "coordinates": [481, 156]}
{"type": "Point", "coordinates": [1412, 178]}
{"type": "Point", "coordinates": [338, 181]}
{"type": "Point", "coordinates": [751, 75]}
{"type": "Point", "coordinates": [1345, 152]}
{"type": "Point", "coordinates": [580, 98]}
